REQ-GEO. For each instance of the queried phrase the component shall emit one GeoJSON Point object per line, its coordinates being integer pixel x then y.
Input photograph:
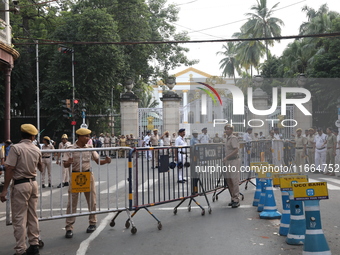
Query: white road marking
{"type": "Point", "coordinates": [114, 188]}
{"type": "Point", "coordinates": [85, 244]}
{"type": "Point", "coordinates": [145, 185]}
{"type": "Point", "coordinates": [331, 180]}
{"type": "Point", "coordinates": [329, 186]}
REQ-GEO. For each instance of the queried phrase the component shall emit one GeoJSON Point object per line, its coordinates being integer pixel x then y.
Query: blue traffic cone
{"type": "Point", "coordinates": [315, 240]}
{"type": "Point", "coordinates": [262, 195]}
{"type": "Point", "coordinates": [297, 226]}
{"type": "Point", "coordinates": [257, 192]}
{"type": "Point", "coordinates": [285, 219]}
{"type": "Point", "coordinates": [270, 209]}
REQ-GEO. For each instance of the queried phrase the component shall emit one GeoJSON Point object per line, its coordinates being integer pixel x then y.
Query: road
{"type": "Point", "coordinates": [225, 231]}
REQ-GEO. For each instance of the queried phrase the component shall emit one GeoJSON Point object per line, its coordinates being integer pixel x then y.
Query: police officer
{"type": "Point", "coordinates": [154, 143]}
{"type": "Point", "coordinates": [233, 164]}
{"type": "Point", "coordinates": [73, 160]}
{"type": "Point", "coordinates": [46, 161]}
{"type": "Point", "coordinates": [320, 139]}
{"type": "Point", "coordinates": [21, 164]}
{"type": "Point", "coordinates": [331, 152]}
{"type": "Point", "coordinates": [310, 147]}
{"type": "Point", "coordinates": [300, 150]}
{"type": "Point", "coordinates": [204, 137]}
{"type": "Point", "coordinates": [66, 174]}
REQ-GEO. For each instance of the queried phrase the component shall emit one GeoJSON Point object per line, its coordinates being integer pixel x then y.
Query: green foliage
{"type": "Point", "coordinates": [98, 67]}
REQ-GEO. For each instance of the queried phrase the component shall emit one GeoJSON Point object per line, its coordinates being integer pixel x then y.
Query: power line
{"type": "Point", "coordinates": [243, 19]}
{"type": "Point", "coordinates": [182, 42]}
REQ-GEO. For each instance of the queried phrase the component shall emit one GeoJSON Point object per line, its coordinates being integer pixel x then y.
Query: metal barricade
{"type": "Point", "coordinates": [111, 186]}
{"type": "Point", "coordinates": [157, 178]}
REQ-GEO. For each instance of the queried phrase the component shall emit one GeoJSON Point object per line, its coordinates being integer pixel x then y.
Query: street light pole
{"type": "Point", "coordinates": [38, 89]}
{"type": "Point", "coordinates": [112, 111]}
{"type": "Point", "coordinates": [73, 94]}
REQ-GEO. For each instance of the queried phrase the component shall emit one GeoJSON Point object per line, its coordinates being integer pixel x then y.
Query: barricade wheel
{"type": "Point", "coordinates": [213, 198]}
{"type": "Point", "coordinates": [133, 230]}
{"type": "Point", "coordinates": [203, 212]}
{"type": "Point", "coordinates": [189, 208]}
{"type": "Point", "coordinates": [112, 224]}
{"type": "Point", "coordinates": [159, 226]}
{"type": "Point", "coordinates": [216, 197]}
{"type": "Point", "coordinates": [41, 244]}
{"type": "Point", "coordinates": [127, 224]}
{"type": "Point", "coordinates": [209, 211]}
{"type": "Point", "coordinates": [175, 211]}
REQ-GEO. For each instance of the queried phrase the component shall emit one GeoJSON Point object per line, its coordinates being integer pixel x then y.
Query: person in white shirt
{"type": "Point", "coordinates": [204, 137]}
{"type": "Point", "coordinates": [182, 155]}
{"type": "Point", "coordinates": [277, 134]}
{"type": "Point", "coordinates": [320, 140]}
{"type": "Point", "coordinates": [146, 143]}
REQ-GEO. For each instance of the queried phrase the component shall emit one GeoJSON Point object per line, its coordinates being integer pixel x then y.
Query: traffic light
{"type": "Point", "coordinates": [76, 110]}
{"type": "Point", "coordinates": [67, 108]}
{"type": "Point", "coordinates": [65, 50]}
{"type": "Point", "coordinates": [73, 122]}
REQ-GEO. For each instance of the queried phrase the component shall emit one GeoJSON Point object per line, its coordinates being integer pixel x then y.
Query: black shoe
{"type": "Point", "coordinates": [49, 185]}
{"type": "Point", "coordinates": [65, 184]}
{"type": "Point", "coordinates": [184, 180]}
{"type": "Point", "coordinates": [91, 229]}
{"type": "Point", "coordinates": [230, 204]}
{"type": "Point", "coordinates": [69, 234]}
{"type": "Point", "coordinates": [181, 181]}
{"type": "Point", "coordinates": [43, 186]}
{"type": "Point", "coordinates": [32, 250]}
{"type": "Point", "coordinates": [235, 204]}
{"type": "Point", "coordinates": [60, 185]}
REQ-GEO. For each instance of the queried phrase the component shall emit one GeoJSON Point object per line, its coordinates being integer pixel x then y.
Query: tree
{"type": "Point", "coordinates": [262, 24]}
{"type": "Point", "coordinates": [229, 63]}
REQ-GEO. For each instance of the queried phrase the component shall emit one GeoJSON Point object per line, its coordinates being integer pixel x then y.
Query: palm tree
{"type": "Point", "coordinates": [261, 24]}
{"type": "Point", "coordinates": [229, 63]}
{"type": "Point", "coordinates": [147, 101]}
{"type": "Point", "coordinates": [249, 53]}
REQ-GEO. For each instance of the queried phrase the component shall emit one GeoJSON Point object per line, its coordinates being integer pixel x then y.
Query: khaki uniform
{"type": "Point", "coordinates": [233, 177]}
{"type": "Point", "coordinates": [154, 143]}
{"type": "Point", "coordinates": [310, 150]}
{"type": "Point", "coordinates": [107, 140]}
{"type": "Point", "coordinates": [46, 163]}
{"type": "Point", "coordinates": [301, 142]}
{"type": "Point", "coordinates": [66, 171]}
{"type": "Point", "coordinates": [90, 196]}
{"type": "Point", "coordinates": [25, 157]}
{"type": "Point", "coordinates": [330, 157]}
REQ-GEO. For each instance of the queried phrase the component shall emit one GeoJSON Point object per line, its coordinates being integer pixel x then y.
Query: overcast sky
{"type": "Point", "coordinates": [200, 15]}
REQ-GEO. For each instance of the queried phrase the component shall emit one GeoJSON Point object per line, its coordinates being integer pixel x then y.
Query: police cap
{"type": "Point", "coordinates": [83, 131]}
{"type": "Point", "coordinates": [29, 129]}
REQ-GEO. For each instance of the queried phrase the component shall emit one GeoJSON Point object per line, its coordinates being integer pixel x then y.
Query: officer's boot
{"type": "Point", "coordinates": [33, 250]}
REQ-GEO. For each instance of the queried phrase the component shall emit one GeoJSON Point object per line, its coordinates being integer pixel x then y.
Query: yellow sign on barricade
{"type": "Point", "coordinates": [310, 191]}
{"type": "Point", "coordinates": [263, 169]}
{"type": "Point", "coordinates": [276, 178]}
{"type": "Point", "coordinates": [287, 181]}
{"type": "Point", "coordinates": [81, 182]}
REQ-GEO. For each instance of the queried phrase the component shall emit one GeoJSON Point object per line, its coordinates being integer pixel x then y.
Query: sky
{"type": "Point", "coordinates": [217, 15]}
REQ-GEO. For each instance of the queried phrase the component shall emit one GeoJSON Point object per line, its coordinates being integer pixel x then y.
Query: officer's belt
{"type": "Point", "coordinates": [24, 180]}
{"type": "Point", "coordinates": [46, 157]}
{"type": "Point", "coordinates": [299, 148]}
{"type": "Point", "coordinates": [321, 148]}
{"type": "Point", "coordinates": [81, 171]}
